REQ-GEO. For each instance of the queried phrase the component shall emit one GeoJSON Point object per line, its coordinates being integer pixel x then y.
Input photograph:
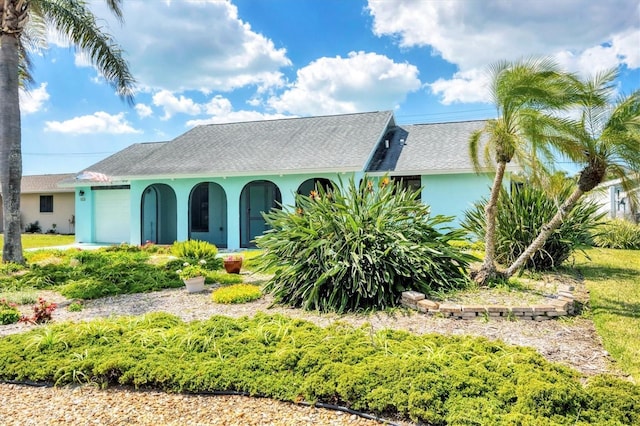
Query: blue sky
{"type": "Point", "coordinates": [216, 61]}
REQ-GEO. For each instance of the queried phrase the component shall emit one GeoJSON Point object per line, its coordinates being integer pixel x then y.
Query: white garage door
{"type": "Point", "coordinates": [112, 209]}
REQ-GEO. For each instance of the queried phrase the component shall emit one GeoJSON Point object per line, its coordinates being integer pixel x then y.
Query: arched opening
{"type": "Point", "coordinates": [158, 214]}
{"type": "Point", "coordinates": [208, 214]}
{"type": "Point", "coordinates": [257, 197]}
{"type": "Point", "coordinates": [313, 184]}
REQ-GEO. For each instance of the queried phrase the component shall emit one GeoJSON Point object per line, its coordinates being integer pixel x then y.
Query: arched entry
{"type": "Point", "coordinates": [313, 184]}
{"type": "Point", "coordinates": [208, 214]}
{"type": "Point", "coordinates": [257, 197]}
{"type": "Point", "coordinates": [158, 214]}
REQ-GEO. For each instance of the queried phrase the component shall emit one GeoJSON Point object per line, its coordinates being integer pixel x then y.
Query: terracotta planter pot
{"type": "Point", "coordinates": [233, 266]}
{"type": "Point", "coordinates": [194, 285]}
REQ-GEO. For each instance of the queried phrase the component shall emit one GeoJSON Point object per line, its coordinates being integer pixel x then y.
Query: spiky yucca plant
{"type": "Point", "coordinates": [522, 213]}
{"type": "Point", "coordinates": [359, 247]}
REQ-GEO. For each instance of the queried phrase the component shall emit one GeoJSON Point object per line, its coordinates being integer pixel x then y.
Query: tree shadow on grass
{"type": "Point", "coordinates": [599, 272]}
{"type": "Point", "coordinates": [616, 307]}
{"type": "Point", "coordinates": [608, 305]}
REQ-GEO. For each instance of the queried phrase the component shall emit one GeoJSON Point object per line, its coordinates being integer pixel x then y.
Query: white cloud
{"type": "Point", "coordinates": [143, 110]}
{"type": "Point", "coordinates": [466, 87]}
{"type": "Point", "coordinates": [218, 105]}
{"type": "Point", "coordinates": [585, 36]}
{"type": "Point", "coordinates": [237, 116]}
{"type": "Point", "coordinates": [173, 105]}
{"type": "Point", "coordinates": [221, 110]}
{"type": "Point", "coordinates": [32, 100]}
{"type": "Point", "coordinates": [98, 122]}
{"type": "Point", "coordinates": [362, 81]}
{"type": "Point", "coordinates": [194, 45]}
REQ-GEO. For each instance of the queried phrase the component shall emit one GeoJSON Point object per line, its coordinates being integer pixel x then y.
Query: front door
{"type": "Point", "coordinates": [257, 197]}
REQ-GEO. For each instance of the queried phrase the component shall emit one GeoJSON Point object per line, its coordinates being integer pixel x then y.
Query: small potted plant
{"type": "Point", "coordinates": [233, 263]}
{"type": "Point", "coordinates": [192, 276]}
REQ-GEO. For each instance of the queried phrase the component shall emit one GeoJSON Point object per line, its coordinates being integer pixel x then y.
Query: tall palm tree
{"type": "Point", "coordinates": [605, 141]}
{"type": "Point", "coordinates": [23, 25]}
{"type": "Point", "coordinates": [523, 92]}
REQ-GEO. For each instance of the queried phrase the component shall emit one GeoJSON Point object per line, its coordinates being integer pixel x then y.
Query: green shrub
{"type": "Point", "coordinates": [9, 313]}
{"type": "Point", "coordinates": [10, 268]}
{"type": "Point", "coordinates": [430, 379]}
{"type": "Point", "coordinates": [359, 248]}
{"type": "Point", "coordinates": [88, 288]}
{"type": "Point", "coordinates": [521, 214]}
{"type": "Point", "coordinates": [75, 306]}
{"type": "Point", "coordinates": [221, 277]}
{"type": "Point", "coordinates": [193, 251]}
{"type": "Point", "coordinates": [617, 234]}
{"type": "Point", "coordinates": [237, 293]}
{"type": "Point", "coordinates": [20, 297]}
{"type": "Point", "coordinates": [106, 272]}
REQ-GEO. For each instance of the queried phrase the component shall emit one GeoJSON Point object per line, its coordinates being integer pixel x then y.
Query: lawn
{"type": "Point", "coordinates": [43, 240]}
{"type": "Point", "coordinates": [613, 280]}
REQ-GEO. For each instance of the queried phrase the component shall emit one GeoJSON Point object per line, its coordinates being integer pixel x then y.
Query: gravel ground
{"type": "Point", "coordinates": [86, 405]}
{"type": "Point", "coordinates": [572, 342]}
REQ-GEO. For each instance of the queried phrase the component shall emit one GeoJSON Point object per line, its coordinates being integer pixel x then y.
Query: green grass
{"type": "Point", "coordinates": [43, 240]}
{"type": "Point", "coordinates": [613, 280]}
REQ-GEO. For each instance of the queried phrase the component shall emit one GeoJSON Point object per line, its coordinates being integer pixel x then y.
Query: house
{"type": "Point", "coordinates": [613, 200]}
{"type": "Point", "coordinates": [44, 202]}
{"type": "Point", "coordinates": [213, 182]}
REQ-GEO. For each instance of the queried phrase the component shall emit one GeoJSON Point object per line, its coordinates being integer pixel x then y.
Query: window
{"type": "Point", "coordinates": [46, 204]}
{"type": "Point", "coordinates": [409, 183]}
{"type": "Point", "coordinates": [200, 208]}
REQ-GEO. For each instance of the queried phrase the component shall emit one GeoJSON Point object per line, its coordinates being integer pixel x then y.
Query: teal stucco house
{"type": "Point", "coordinates": [213, 182]}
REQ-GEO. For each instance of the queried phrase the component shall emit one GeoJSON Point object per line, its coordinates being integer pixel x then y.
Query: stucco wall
{"type": "Point", "coordinates": [63, 212]}
{"type": "Point", "coordinates": [288, 185]}
{"type": "Point", "coordinates": [452, 194]}
{"type": "Point", "coordinates": [448, 194]}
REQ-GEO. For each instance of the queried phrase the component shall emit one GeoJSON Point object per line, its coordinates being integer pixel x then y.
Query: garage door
{"type": "Point", "coordinates": [112, 210]}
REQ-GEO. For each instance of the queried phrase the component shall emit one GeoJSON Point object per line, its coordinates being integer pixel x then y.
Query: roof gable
{"type": "Point", "coordinates": [427, 149]}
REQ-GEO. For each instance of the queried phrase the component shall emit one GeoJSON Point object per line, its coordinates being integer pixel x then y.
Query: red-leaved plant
{"type": "Point", "coordinates": [42, 312]}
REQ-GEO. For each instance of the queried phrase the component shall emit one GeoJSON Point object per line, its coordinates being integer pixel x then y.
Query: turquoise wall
{"type": "Point", "coordinates": [84, 215]}
{"type": "Point", "coordinates": [288, 185]}
{"type": "Point", "coordinates": [452, 194]}
{"type": "Point", "coordinates": [449, 195]}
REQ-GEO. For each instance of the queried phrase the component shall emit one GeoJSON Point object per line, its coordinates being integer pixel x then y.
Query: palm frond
{"type": "Point", "coordinates": [74, 20]}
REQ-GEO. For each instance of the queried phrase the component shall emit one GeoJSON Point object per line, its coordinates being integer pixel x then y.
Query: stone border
{"type": "Point", "coordinates": [562, 304]}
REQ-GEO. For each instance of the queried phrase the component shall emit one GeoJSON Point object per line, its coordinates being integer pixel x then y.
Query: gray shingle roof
{"type": "Point", "coordinates": [296, 145]}
{"type": "Point", "coordinates": [123, 162]}
{"type": "Point", "coordinates": [428, 149]}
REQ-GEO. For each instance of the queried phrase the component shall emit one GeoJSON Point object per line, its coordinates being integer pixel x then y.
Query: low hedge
{"type": "Point", "coordinates": [429, 378]}
{"type": "Point", "coordinates": [237, 293]}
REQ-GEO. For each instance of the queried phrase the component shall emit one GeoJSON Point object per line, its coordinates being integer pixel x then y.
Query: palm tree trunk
{"type": "Point", "coordinates": [488, 269]}
{"type": "Point", "coordinates": [547, 230]}
{"type": "Point", "coordinates": [10, 148]}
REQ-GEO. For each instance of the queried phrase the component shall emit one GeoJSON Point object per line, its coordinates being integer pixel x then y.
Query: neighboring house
{"type": "Point", "coordinates": [614, 201]}
{"type": "Point", "coordinates": [213, 182]}
{"type": "Point", "coordinates": [43, 201]}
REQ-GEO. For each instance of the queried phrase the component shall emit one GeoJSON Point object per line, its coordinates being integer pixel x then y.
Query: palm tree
{"type": "Point", "coordinates": [605, 141]}
{"type": "Point", "coordinates": [522, 91]}
{"type": "Point", "coordinates": [23, 26]}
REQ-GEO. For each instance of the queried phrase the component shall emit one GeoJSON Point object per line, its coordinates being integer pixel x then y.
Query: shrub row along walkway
{"type": "Point", "coordinates": [573, 343]}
